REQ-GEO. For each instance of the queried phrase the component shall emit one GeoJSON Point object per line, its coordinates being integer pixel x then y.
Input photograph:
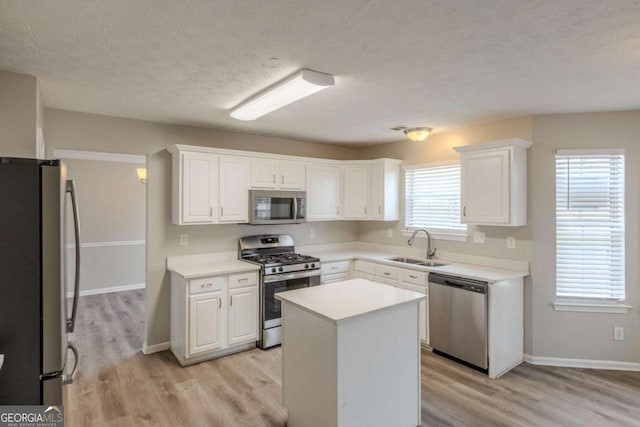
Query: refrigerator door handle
{"type": "Point", "coordinates": [71, 189]}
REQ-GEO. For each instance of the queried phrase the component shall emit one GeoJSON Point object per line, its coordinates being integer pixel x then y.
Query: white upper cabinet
{"type": "Point", "coordinates": [195, 188]}
{"type": "Point", "coordinates": [494, 183]}
{"type": "Point", "coordinates": [371, 190]}
{"type": "Point", "coordinates": [235, 174]}
{"type": "Point", "coordinates": [323, 192]}
{"type": "Point", "coordinates": [275, 174]}
{"type": "Point", "coordinates": [384, 190]}
{"type": "Point", "coordinates": [356, 192]}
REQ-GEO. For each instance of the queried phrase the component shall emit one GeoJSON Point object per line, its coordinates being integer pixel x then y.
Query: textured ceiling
{"type": "Point", "coordinates": [438, 63]}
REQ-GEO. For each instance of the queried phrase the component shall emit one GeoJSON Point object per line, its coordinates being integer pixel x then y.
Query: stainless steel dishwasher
{"type": "Point", "coordinates": [458, 318]}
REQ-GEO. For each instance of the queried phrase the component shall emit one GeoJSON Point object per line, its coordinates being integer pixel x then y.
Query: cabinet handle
{"type": "Point", "coordinates": [464, 211]}
{"type": "Point", "coordinates": [230, 299]}
{"type": "Point", "coordinates": [282, 180]}
{"type": "Point", "coordinates": [210, 210]}
{"type": "Point", "coordinates": [219, 302]}
{"type": "Point", "coordinates": [387, 274]}
{"type": "Point", "coordinates": [413, 277]}
{"type": "Point", "coordinates": [379, 209]}
{"type": "Point", "coordinates": [221, 211]}
{"type": "Point", "coordinates": [274, 178]}
{"type": "Point", "coordinates": [244, 279]}
{"type": "Point", "coordinates": [334, 268]}
{"type": "Point", "coordinates": [365, 210]}
{"type": "Point", "coordinates": [206, 285]}
{"type": "Point", "coordinates": [338, 210]}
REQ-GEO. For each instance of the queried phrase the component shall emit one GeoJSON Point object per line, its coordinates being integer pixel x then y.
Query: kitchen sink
{"type": "Point", "coordinates": [424, 263]}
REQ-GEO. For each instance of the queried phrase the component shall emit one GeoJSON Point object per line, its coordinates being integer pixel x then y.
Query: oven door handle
{"type": "Point", "coordinates": [289, 276]}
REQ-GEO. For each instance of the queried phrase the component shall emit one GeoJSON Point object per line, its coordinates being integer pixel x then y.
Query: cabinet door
{"type": "Point", "coordinates": [207, 324]}
{"type": "Point", "coordinates": [376, 191]}
{"type": "Point", "coordinates": [234, 189]}
{"type": "Point", "coordinates": [423, 316]}
{"type": "Point", "coordinates": [264, 173]}
{"type": "Point", "coordinates": [199, 188]}
{"type": "Point", "coordinates": [243, 315]}
{"type": "Point", "coordinates": [356, 183]}
{"type": "Point", "coordinates": [486, 186]}
{"type": "Point", "coordinates": [292, 175]}
{"type": "Point", "coordinates": [323, 192]}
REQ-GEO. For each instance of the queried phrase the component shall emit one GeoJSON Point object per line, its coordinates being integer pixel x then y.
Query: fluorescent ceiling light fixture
{"type": "Point", "coordinates": [417, 134]}
{"type": "Point", "coordinates": [288, 91]}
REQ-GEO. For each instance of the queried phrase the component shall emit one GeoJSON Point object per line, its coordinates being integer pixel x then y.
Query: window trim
{"type": "Point", "coordinates": [450, 234]}
{"type": "Point", "coordinates": [593, 304]}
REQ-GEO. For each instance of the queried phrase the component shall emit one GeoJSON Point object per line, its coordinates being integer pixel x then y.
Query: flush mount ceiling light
{"type": "Point", "coordinates": [288, 91]}
{"type": "Point", "coordinates": [418, 134]}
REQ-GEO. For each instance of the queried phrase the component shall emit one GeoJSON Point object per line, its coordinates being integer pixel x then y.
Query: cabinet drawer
{"type": "Point", "coordinates": [365, 267]}
{"type": "Point", "coordinates": [207, 284]}
{"type": "Point", "coordinates": [386, 272]}
{"type": "Point", "coordinates": [335, 267]}
{"type": "Point", "coordinates": [244, 279]}
{"type": "Point", "coordinates": [415, 277]}
{"type": "Point", "coordinates": [360, 275]}
{"type": "Point", "coordinates": [332, 278]}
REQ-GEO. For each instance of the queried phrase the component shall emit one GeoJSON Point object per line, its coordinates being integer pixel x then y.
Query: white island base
{"type": "Point", "coordinates": [351, 355]}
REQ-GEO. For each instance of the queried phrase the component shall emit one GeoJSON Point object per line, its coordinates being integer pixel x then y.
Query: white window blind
{"type": "Point", "coordinates": [590, 224]}
{"type": "Point", "coordinates": [432, 198]}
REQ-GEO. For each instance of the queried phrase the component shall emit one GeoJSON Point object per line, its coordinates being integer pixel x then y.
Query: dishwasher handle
{"type": "Point", "coordinates": [469, 285]}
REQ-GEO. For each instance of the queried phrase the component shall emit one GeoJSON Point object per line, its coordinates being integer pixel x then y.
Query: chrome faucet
{"type": "Point", "coordinates": [430, 252]}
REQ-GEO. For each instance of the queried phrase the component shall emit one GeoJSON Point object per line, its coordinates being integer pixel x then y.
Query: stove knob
{"type": "Point", "coordinates": [279, 268]}
{"type": "Point", "coordinates": [306, 266]}
{"type": "Point", "coordinates": [313, 266]}
{"type": "Point", "coordinates": [273, 270]}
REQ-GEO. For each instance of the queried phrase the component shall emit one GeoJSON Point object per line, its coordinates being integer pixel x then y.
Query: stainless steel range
{"type": "Point", "coordinates": [282, 270]}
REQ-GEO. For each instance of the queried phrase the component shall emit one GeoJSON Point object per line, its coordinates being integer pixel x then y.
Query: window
{"type": "Point", "coordinates": [590, 224]}
{"type": "Point", "coordinates": [432, 199]}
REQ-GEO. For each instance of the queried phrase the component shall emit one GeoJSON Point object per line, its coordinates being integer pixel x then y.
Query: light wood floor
{"type": "Point", "coordinates": [118, 386]}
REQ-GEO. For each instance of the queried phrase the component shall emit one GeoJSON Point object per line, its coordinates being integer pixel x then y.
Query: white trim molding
{"type": "Point", "coordinates": [107, 244]}
{"type": "Point", "coordinates": [155, 348]}
{"type": "Point", "coordinates": [582, 363]}
{"type": "Point", "coordinates": [109, 289]}
{"type": "Point", "coordinates": [99, 156]}
{"type": "Point", "coordinates": [591, 307]}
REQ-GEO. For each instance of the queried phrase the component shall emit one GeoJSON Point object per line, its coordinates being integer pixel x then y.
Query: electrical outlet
{"type": "Point", "coordinates": [389, 232]}
{"type": "Point", "coordinates": [184, 239]}
{"type": "Point", "coordinates": [478, 237]}
{"type": "Point", "coordinates": [618, 333]}
{"type": "Point", "coordinates": [312, 232]}
{"type": "Point", "coordinates": [511, 242]}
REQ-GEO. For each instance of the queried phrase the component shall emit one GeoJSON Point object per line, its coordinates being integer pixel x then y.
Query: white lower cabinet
{"type": "Point", "coordinates": [212, 316]}
{"type": "Point", "coordinates": [424, 314]}
{"type": "Point", "coordinates": [243, 315]}
{"type": "Point", "coordinates": [206, 321]}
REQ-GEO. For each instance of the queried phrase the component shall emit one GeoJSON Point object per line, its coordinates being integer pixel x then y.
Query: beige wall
{"type": "Point", "coordinates": [71, 130]}
{"type": "Point", "coordinates": [18, 114]}
{"type": "Point", "coordinates": [112, 205]}
{"type": "Point", "coordinates": [582, 335]}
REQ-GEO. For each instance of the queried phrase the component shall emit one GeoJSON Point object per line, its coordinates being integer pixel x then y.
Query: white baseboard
{"type": "Point", "coordinates": [582, 363]}
{"type": "Point", "coordinates": [150, 349]}
{"type": "Point", "coordinates": [109, 290]}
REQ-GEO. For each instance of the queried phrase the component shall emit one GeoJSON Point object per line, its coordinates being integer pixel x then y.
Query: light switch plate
{"type": "Point", "coordinates": [618, 333]}
{"type": "Point", "coordinates": [184, 239]}
{"type": "Point", "coordinates": [389, 232]}
{"type": "Point", "coordinates": [312, 232]}
{"type": "Point", "coordinates": [478, 237]}
{"type": "Point", "coordinates": [511, 242]}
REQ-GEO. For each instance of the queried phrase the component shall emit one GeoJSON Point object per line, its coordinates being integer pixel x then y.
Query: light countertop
{"type": "Point", "coordinates": [193, 266]}
{"type": "Point", "coordinates": [470, 271]}
{"type": "Point", "coordinates": [344, 300]}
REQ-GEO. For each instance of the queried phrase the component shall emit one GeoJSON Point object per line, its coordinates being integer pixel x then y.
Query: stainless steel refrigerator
{"type": "Point", "coordinates": [35, 315]}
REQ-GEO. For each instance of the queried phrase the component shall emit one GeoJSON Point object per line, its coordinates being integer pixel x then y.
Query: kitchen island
{"type": "Point", "coordinates": [351, 355]}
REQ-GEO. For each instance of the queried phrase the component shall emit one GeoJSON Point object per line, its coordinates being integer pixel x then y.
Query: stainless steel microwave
{"type": "Point", "coordinates": [277, 207]}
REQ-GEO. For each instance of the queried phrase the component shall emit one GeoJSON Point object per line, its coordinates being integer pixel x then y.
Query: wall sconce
{"type": "Point", "coordinates": [142, 175]}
